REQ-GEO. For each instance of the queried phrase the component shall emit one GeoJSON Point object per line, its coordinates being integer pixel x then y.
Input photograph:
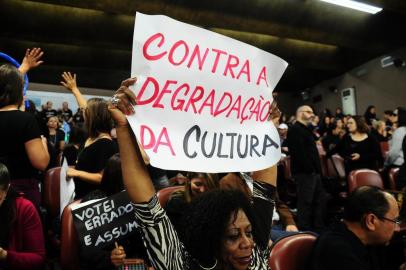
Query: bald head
{"type": "Point", "coordinates": [304, 114]}
{"type": "Point", "coordinates": [367, 199]}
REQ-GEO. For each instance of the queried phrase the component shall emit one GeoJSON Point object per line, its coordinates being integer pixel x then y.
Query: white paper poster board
{"type": "Point", "coordinates": [203, 99]}
{"type": "Point", "coordinates": [67, 187]}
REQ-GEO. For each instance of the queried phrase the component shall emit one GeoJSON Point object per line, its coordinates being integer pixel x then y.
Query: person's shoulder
{"type": "Point", "coordinates": [338, 239]}
{"type": "Point", "coordinates": [21, 117]}
{"type": "Point", "coordinates": [295, 128]}
{"type": "Point", "coordinates": [24, 206]}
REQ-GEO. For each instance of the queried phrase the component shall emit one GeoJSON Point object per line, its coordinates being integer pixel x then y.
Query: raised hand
{"type": "Point", "coordinates": [69, 81]}
{"type": "Point", "coordinates": [122, 103]}
{"type": "Point", "coordinates": [31, 59]}
{"type": "Point", "coordinates": [3, 254]}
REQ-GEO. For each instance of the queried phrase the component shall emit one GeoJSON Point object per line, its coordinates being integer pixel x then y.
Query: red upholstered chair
{"type": "Point", "coordinates": [51, 192]}
{"type": "Point", "coordinates": [323, 163]}
{"type": "Point", "coordinates": [51, 201]}
{"type": "Point", "coordinates": [384, 149]}
{"type": "Point", "coordinates": [287, 175]}
{"type": "Point", "coordinates": [69, 240]}
{"type": "Point", "coordinates": [393, 173]}
{"type": "Point", "coordinates": [336, 168]}
{"type": "Point", "coordinates": [286, 167]}
{"type": "Point", "coordinates": [364, 177]}
{"type": "Point", "coordinates": [165, 193]}
{"type": "Point", "coordinates": [291, 252]}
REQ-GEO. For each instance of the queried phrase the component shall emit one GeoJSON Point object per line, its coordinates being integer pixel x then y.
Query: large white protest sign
{"type": "Point", "coordinates": [203, 99]}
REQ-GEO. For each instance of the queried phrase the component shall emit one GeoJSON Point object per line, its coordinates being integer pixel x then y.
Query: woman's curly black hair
{"type": "Point", "coordinates": [206, 222]}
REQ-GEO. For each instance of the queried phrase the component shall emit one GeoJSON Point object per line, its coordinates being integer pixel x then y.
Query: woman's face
{"type": "Point", "coordinates": [351, 125]}
{"type": "Point", "coordinates": [52, 122]}
{"type": "Point", "coordinates": [238, 242]}
{"type": "Point", "coordinates": [3, 193]}
{"type": "Point", "coordinates": [339, 123]}
{"type": "Point", "coordinates": [197, 185]}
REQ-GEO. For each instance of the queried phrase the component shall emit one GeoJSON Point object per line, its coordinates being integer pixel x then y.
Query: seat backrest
{"type": "Point", "coordinates": [165, 193]}
{"type": "Point", "coordinates": [384, 148]}
{"type": "Point", "coordinates": [291, 252]}
{"type": "Point", "coordinates": [335, 167]}
{"type": "Point", "coordinates": [323, 164]}
{"type": "Point", "coordinates": [393, 174]}
{"type": "Point", "coordinates": [364, 177]}
{"type": "Point", "coordinates": [69, 240]}
{"type": "Point", "coordinates": [51, 192]}
{"type": "Point", "coordinates": [286, 167]}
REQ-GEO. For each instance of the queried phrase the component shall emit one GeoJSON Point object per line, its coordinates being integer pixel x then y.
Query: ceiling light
{"type": "Point", "coordinates": [355, 5]}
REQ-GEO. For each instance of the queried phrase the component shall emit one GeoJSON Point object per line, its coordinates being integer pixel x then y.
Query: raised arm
{"type": "Point", "coordinates": [267, 175]}
{"type": "Point", "coordinates": [135, 175]}
{"type": "Point", "coordinates": [69, 81]}
{"type": "Point", "coordinates": [31, 60]}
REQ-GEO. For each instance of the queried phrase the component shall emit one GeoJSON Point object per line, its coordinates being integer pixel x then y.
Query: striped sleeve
{"type": "Point", "coordinates": [163, 246]}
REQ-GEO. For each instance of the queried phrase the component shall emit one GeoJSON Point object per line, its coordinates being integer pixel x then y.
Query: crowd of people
{"type": "Point", "coordinates": [214, 221]}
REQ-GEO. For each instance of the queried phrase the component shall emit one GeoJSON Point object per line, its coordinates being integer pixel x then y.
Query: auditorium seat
{"type": "Point", "coordinates": [364, 177]}
{"type": "Point", "coordinates": [335, 167]}
{"type": "Point", "coordinates": [384, 149]}
{"type": "Point", "coordinates": [285, 162]}
{"type": "Point", "coordinates": [51, 202]}
{"type": "Point", "coordinates": [165, 193]}
{"type": "Point", "coordinates": [51, 192]}
{"type": "Point", "coordinates": [290, 182]}
{"type": "Point", "coordinates": [323, 163]}
{"type": "Point", "coordinates": [69, 240]}
{"type": "Point", "coordinates": [291, 252]}
{"type": "Point", "coordinates": [393, 173]}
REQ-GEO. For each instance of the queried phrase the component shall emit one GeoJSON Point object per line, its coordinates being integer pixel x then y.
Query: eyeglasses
{"type": "Point", "coordinates": [397, 220]}
{"type": "Point", "coordinates": [311, 112]}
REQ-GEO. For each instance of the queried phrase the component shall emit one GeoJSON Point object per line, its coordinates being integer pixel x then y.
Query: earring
{"type": "Point", "coordinates": [208, 268]}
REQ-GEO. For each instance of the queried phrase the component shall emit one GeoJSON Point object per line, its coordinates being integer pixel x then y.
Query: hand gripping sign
{"type": "Point", "coordinates": [203, 99]}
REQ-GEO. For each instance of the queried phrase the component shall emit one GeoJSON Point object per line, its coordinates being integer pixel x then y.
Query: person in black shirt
{"type": "Point", "coordinates": [306, 169]}
{"type": "Point", "coordinates": [370, 114]}
{"type": "Point", "coordinates": [358, 149]}
{"type": "Point", "coordinates": [371, 216]}
{"type": "Point", "coordinates": [55, 136]}
{"type": "Point", "coordinates": [78, 118]}
{"type": "Point", "coordinates": [22, 149]}
{"type": "Point", "coordinates": [99, 146]}
{"type": "Point", "coordinates": [48, 111]}
{"type": "Point", "coordinates": [66, 113]}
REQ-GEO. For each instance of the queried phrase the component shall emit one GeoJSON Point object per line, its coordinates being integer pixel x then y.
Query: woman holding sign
{"type": "Point", "coordinates": [220, 233]}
